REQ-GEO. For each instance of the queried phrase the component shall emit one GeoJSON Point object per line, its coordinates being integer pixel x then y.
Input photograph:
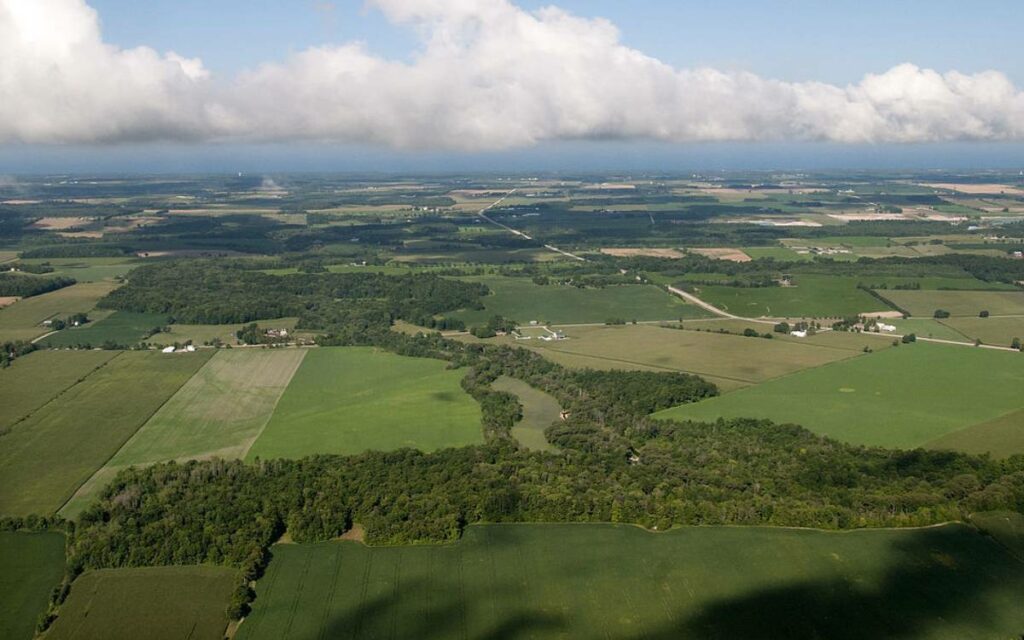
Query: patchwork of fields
{"type": "Point", "coordinates": [607, 581]}
{"type": "Point", "coordinates": [31, 565]}
{"type": "Point", "coordinates": [120, 328]}
{"type": "Point", "coordinates": [41, 376]}
{"type": "Point", "coordinates": [523, 301]}
{"type": "Point", "coordinates": [959, 303]}
{"type": "Point", "coordinates": [349, 400]}
{"type": "Point", "coordinates": [905, 397]}
{"type": "Point", "coordinates": [159, 603]}
{"type": "Point", "coordinates": [23, 320]}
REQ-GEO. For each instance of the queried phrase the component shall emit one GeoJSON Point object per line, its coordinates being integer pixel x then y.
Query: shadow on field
{"type": "Point", "coordinates": [939, 582]}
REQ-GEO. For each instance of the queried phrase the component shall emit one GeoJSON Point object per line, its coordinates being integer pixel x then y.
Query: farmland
{"type": "Point", "coordinates": [31, 565]}
{"type": "Point", "coordinates": [905, 397]}
{"type": "Point", "coordinates": [120, 328]}
{"type": "Point", "coordinates": [995, 331]}
{"type": "Point", "coordinates": [1000, 437]}
{"type": "Point", "coordinates": [728, 360]}
{"type": "Point", "coordinates": [540, 410]}
{"type": "Point", "coordinates": [811, 297]}
{"type": "Point", "coordinates": [523, 301]}
{"type": "Point", "coordinates": [585, 581]}
{"type": "Point", "coordinates": [23, 320]}
{"type": "Point", "coordinates": [205, 333]}
{"type": "Point", "coordinates": [46, 457]}
{"type": "Point", "coordinates": [352, 399]}
{"type": "Point", "coordinates": [959, 303]}
{"type": "Point", "coordinates": [36, 379]}
{"type": "Point", "coordinates": [162, 603]}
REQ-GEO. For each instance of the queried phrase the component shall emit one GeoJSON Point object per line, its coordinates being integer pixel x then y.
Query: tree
{"type": "Point", "coordinates": [983, 314]}
{"type": "Point", "coordinates": [1016, 344]}
{"type": "Point", "coordinates": [909, 338]}
{"type": "Point", "coordinates": [782, 327]}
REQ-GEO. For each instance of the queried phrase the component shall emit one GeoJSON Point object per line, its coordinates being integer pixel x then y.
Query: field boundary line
{"type": "Point", "coordinates": [273, 409]}
{"type": "Point", "coordinates": [654, 366]}
{"type": "Point", "coordinates": [126, 440]}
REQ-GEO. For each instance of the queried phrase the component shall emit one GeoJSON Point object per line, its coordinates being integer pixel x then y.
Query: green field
{"type": "Point", "coordinates": [812, 296]}
{"type": "Point", "coordinates": [349, 400]}
{"type": "Point", "coordinates": [540, 410]}
{"type": "Point", "coordinates": [958, 303]}
{"type": "Point", "coordinates": [219, 412]}
{"type": "Point", "coordinates": [996, 331]}
{"type": "Point", "coordinates": [927, 328]}
{"type": "Point", "coordinates": [31, 565]}
{"type": "Point", "coordinates": [23, 320]}
{"type": "Point", "coordinates": [204, 333]}
{"type": "Point", "coordinates": [89, 269]}
{"type": "Point", "coordinates": [727, 360]}
{"type": "Point", "coordinates": [905, 397]}
{"type": "Point", "coordinates": [1005, 527]}
{"type": "Point", "coordinates": [33, 380]}
{"type": "Point", "coordinates": [123, 328]}
{"type": "Point", "coordinates": [156, 603]}
{"type": "Point", "coordinates": [607, 581]}
{"type": "Point", "coordinates": [1001, 437]}
{"type": "Point", "coordinates": [523, 301]}
{"type": "Point", "coordinates": [45, 458]}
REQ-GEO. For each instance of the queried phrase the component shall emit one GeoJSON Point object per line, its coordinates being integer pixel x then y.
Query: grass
{"type": "Point", "coordinates": [927, 328]}
{"type": "Point", "coordinates": [158, 603]}
{"type": "Point", "coordinates": [45, 458]}
{"type": "Point", "coordinates": [1001, 437]}
{"type": "Point", "coordinates": [540, 410]}
{"type": "Point", "coordinates": [205, 333]}
{"type": "Point", "coordinates": [996, 331]}
{"type": "Point", "coordinates": [727, 360]}
{"type": "Point", "coordinates": [33, 380]}
{"type": "Point", "coordinates": [23, 320]}
{"type": "Point", "coordinates": [905, 397]}
{"type": "Point", "coordinates": [812, 296]}
{"type": "Point", "coordinates": [958, 303]}
{"type": "Point", "coordinates": [124, 328]}
{"type": "Point", "coordinates": [89, 269]}
{"type": "Point", "coordinates": [220, 412]}
{"type": "Point", "coordinates": [349, 400]}
{"type": "Point", "coordinates": [608, 581]}
{"type": "Point", "coordinates": [1005, 527]}
{"type": "Point", "coordinates": [523, 301]}
{"type": "Point", "coordinates": [31, 565]}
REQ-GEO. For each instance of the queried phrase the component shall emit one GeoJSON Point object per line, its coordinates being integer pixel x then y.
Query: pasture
{"type": "Point", "coordinates": [812, 296]}
{"type": "Point", "coordinates": [959, 303]}
{"type": "Point", "coordinates": [352, 399]}
{"type": "Point", "coordinates": [31, 565]}
{"type": "Point", "coordinates": [220, 412]}
{"type": "Point", "coordinates": [608, 581]}
{"type": "Point", "coordinates": [89, 269]}
{"type": "Point", "coordinates": [540, 410]}
{"type": "Point", "coordinates": [904, 397]}
{"type": "Point", "coordinates": [33, 380]}
{"type": "Point", "coordinates": [157, 603]}
{"type": "Point", "coordinates": [123, 328]}
{"type": "Point", "coordinates": [23, 320]}
{"type": "Point", "coordinates": [206, 333]}
{"type": "Point", "coordinates": [47, 457]}
{"type": "Point", "coordinates": [523, 301]}
{"type": "Point", "coordinates": [729, 361]}
{"type": "Point", "coordinates": [996, 331]}
{"type": "Point", "coordinates": [1001, 437]}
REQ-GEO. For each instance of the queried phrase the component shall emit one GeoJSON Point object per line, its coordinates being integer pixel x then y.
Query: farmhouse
{"type": "Point", "coordinates": [167, 350]}
{"type": "Point", "coordinates": [798, 334]}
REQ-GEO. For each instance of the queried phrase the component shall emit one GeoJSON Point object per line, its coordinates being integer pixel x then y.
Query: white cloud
{"type": "Point", "coordinates": [488, 75]}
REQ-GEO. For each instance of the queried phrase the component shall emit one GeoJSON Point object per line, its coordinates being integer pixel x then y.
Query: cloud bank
{"type": "Point", "coordinates": [487, 75]}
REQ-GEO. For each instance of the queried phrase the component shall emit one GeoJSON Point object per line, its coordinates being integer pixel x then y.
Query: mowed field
{"type": "Point", "coordinates": [23, 320]}
{"type": "Point", "coordinates": [45, 458]}
{"type": "Point", "coordinates": [540, 410]}
{"type": "Point", "coordinates": [204, 333]}
{"type": "Point", "coordinates": [33, 380]}
{"type": "Point", "coordinates": [123, 328]}
{"type": "Point", "coordinates": [219, 412]}
{"type": "Point", "coordinates": [31, 565]}
{"type": "Point", "coordinates": [353, 399]}
{"type": "Point", "coordinates": [523, 301]}
{"type": "Point", "coordinates": [904, 397]}
{"type": "Point", "coordinates": [812, 297]}
{"type": "Point", "coordinates": [995, 331]}
{"type": "Point", "coordinates": [620, 582]}
{"type": "Point", "coordinates": [729, 361]}
{"type": "Point", "coordinates": [959, 303]}
{"type": "Point", "coordinates": [157, 603]}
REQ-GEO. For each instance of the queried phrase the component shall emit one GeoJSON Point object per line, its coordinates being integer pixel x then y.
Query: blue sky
{"type": "Point", "coordinates": [835, 41]}
{"type": "Point", "coordinates": [497, 101]}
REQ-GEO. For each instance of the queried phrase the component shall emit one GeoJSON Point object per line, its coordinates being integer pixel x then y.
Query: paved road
{"type": "Point", "coordinates": [483, 214]}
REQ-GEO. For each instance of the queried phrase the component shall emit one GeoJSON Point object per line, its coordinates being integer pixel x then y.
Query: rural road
{"type": "Point", "coordinates": [483, 214]}
{"type": "Point", "coordinates": [689, 297]}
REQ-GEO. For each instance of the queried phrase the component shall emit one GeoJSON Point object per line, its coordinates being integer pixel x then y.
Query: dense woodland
{"type": "Point", "coordinates": [26, 286]}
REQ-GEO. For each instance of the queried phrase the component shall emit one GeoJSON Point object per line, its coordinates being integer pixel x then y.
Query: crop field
{"type": "Point", "coordinates": [1006, 527]}
{"type": "Point", "coordinates": [996, 331]}
{"type": "Point", "coordinates": [928, 328]}
{"type": "Point", "coordinates": [727, 360]}
{"type": "Point", "coordinates": [540, 410]}
{"type": "Point", "coordinates": [349, 400]}
{"type": "Point", "coordinates": [1001, 437]}
{"type": "Point", "coordinates": [905, 397]}
{"type": "Point", "coordinates": [89, 269]}
{"type": "Point", "coordinates": [31, 565]}
{"type": "Point", "coordinates": [23, 320]}
{"type": "Point", "coordinates": [37, 378]}
{"type": "Point", "coordinates": [204, 333]}
{"type": "Point", "coordinates": [811, 297]}
{"type": "Point", "coordinates": [608, 581]}
{"type": "Point", "coordinates": [48, 456]}
{"type": "Point", "coordinates": [523, 301]}
{"type": "Point", "coordinates": [121, 328]}
{"type": "Point", "coordinates": [959, 303]}
{"type": "Point", "coordinates": [161, 603]}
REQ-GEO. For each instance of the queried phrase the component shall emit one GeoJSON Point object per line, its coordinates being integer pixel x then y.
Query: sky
{"type": "Point", "coordinates": [162, 85]}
